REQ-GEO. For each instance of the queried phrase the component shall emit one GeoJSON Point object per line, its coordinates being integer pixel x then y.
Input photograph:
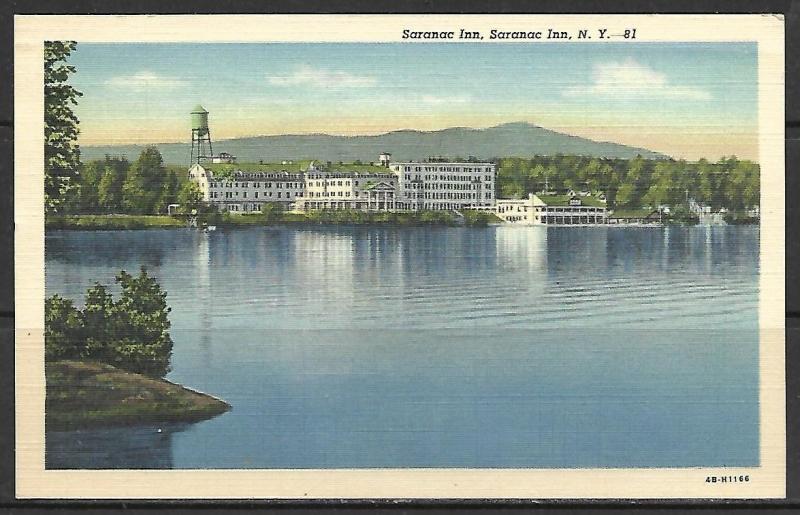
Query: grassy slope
{"type": "Point", "coordinates": [88, 394]}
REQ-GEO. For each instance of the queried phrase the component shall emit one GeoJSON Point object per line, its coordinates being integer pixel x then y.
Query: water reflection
{"type": "Point", "coordinates": [112, 448]}
{"type": "Point", "coordinates": [504, 346]}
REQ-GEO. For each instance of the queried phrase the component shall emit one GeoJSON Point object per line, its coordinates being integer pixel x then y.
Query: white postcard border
{"type": "Point", "coordinates": [33, 481]}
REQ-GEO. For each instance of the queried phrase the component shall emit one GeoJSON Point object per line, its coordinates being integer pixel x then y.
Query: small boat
{"type": "Point", "coordinates": [210, 228]}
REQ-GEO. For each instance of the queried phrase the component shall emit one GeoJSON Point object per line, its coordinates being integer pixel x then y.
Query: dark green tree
{"type": "Point", "coordinates": [63, 333]}
{"type": "Point", "coordinates": [102, 324]}
{"type": "Point", "coordinates": [89, 186]}
{"type": "Point", "coordinates": [109, 190]}
{"type": "Point", "coordinates": [146, 346]}
{"type": "Point", "coordinates": [169, 194]}
{"type": "Point", "coordinates": [190, 197]}
{"type": "Point", "coordinates": [61, 152]}
{"type": "Point", "coordinates": [144, 184]}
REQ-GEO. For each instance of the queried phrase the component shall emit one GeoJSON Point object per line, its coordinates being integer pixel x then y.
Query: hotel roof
{"type": "Point", "coordinates": [290, 167]}
{"type": "Point", "coordinates": [296, 166]}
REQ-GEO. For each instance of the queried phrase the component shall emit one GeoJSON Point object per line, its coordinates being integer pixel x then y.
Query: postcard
{"type": "Point", "coordinates": [389, 256]}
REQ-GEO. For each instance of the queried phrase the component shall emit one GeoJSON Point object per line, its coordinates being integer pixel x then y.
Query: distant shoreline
{"type": "Point", "coordinates": [144, 222]}
{"type": "Point", "coordinates": [401, 219]}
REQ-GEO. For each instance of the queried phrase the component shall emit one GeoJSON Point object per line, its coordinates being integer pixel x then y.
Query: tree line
{"type": "Point", "coordinates": [147, 186]}
{"type": "Point", "coordinates": [115, 185]}
{"type": "Point", "coordinates": [632, 183]}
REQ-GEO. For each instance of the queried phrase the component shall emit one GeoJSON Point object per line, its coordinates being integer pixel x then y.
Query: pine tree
{"type": "Point", "coordinates": [61, 153]}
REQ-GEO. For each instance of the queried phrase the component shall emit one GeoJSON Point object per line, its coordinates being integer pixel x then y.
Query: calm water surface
{"type": "Point", "coordinates": [441, 347]}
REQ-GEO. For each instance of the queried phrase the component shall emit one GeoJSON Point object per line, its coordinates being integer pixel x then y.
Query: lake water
{"type": "Point", "coordinates": [441, 347]}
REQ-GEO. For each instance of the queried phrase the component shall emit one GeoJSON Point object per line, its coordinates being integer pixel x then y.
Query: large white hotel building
{"type": "Point", "coordinates": [310, 185]}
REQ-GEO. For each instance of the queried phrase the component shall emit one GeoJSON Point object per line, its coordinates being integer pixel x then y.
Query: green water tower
{"type": "Point", "coordinates": [201, 135]}
{"type": "Point", "coordinates": [200, 120]}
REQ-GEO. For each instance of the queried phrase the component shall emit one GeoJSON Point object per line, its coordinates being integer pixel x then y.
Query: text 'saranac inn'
{"type": "Point", "coordinates": [311, 185]}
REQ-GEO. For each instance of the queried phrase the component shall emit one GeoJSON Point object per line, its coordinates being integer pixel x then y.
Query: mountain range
{"type": "Point", "coordinates": [517, 139]}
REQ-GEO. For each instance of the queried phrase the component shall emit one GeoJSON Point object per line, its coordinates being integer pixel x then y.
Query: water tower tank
{"type": "Point", "coordinates": [200, 120]}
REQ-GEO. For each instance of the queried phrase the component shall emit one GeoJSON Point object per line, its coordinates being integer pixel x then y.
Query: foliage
{"type": "Point", "coordinates": [479, 218]}
{"type": "Point", "coordinates": [143, 186]}
{"type": "Point", "coordinates": [113, 185]}
{"type": "Point", "coordinates": [272, 212]}
{"type": "Point", "coordinates": [169, 192]}
{"type": "Point", "coordinates": [357, 217]}
{"type": "Point", "coordinates": [131, 333]}
{"type": "Point", "coordinates": [101, 324]}
{"type": "Point", "coordinates": [112, 222]}
{"type": "Point", "coordinates": [145, 346]}
{"type": "Point", "coordinates": [99, 187]}
{"type": "Point", "coordinates": [61, 153]}
{"type": "Point", "coordinates": [226, 172]}
{"type": "Point", "coordinates": [631, 183]}
{"type": "Point", "coordinates": [63, 334]}
{"type": "Point", "coordinates": [740, 219]}
{"type": "Point", "coordinates": [681, 214]}
{"type": "Point", "coordinates": [109, 191]}
{"type": "Point", "coordinates": [190, 197]}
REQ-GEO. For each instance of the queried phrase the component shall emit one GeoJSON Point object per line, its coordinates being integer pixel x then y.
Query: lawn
{"type": "Point", "coordinates": [101, 222]}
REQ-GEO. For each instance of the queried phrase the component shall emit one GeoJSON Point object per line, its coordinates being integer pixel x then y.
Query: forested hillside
{"type": "Point", "coordinates": [728, 183]}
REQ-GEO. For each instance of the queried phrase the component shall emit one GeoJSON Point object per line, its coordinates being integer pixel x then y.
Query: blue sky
{"type": "Point", "coordinates": [688, 100]}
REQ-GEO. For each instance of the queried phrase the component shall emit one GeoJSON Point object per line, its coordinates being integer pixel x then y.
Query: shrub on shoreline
{"type": "Point", "coordinates": [131, 333]}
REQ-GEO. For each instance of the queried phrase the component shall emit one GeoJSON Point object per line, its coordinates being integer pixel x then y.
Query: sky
{"type": "Point", "coordinates": [687, 100]}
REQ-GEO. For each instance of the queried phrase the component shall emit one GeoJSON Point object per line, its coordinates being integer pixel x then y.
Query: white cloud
{"type": "Point", "coordinates": [145, 80]}
{"type": "Point", "coordinates": [437, 100]}
{"type": "Point", "coordinates": [305, 75]}
{"type": "Point", "coordinates": [629, 79]}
